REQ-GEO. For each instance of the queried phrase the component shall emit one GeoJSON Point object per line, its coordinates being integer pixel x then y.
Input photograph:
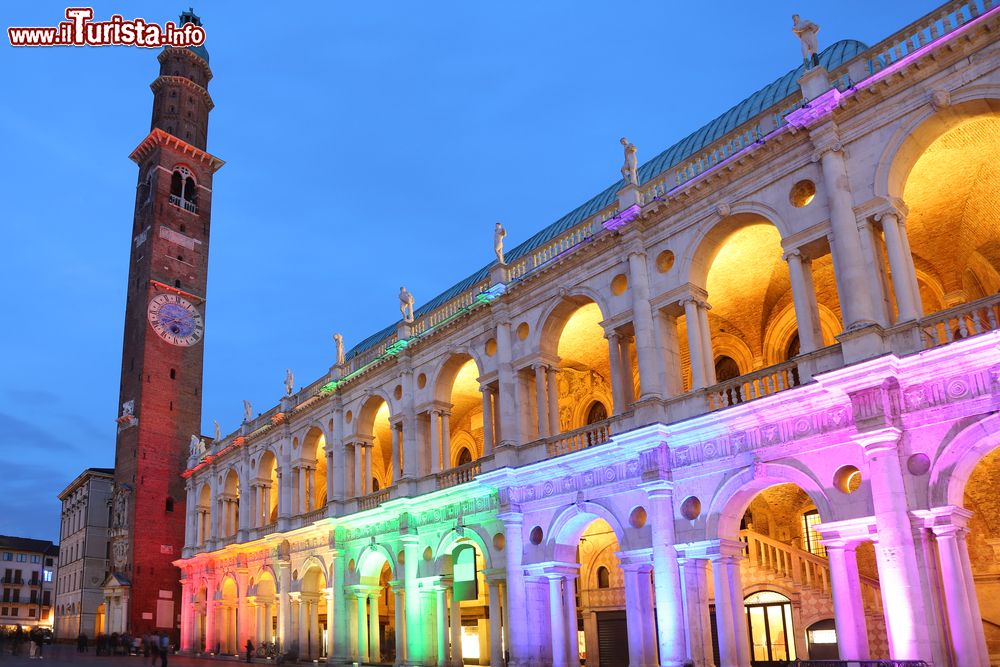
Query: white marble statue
{"type": "Point", "coordinates": [806, 32]}
{"type": "Point", "coordinates": [289, 382]}
{"type": "Point", "coordinates": [339, 342]}
{"type": "Point", "coordinates": [406, 304]}
{"type": "Point", "coordinates": [630, 170]}
{"type": "Point", "coordinates": [128, 408]}
{"type": "Point", "coordinates": [193, 447]}
{"type": "Point", "coordinates": [247, 411]}
{"type": "Point", "coordinates": [498, 233]}
{"type": "Point", "coordinates": [218, 431]}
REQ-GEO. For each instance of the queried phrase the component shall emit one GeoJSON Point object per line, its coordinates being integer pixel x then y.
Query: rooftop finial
{"type": "Point", "coordinates": [190, 17]}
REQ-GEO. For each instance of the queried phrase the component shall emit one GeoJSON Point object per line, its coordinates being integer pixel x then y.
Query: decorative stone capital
{"type": "Point", "coordinates": [878, 442]}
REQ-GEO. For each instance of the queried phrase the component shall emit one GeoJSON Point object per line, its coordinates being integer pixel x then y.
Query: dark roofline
{"type": "Point", "coordinates": [25, 544]}
{"type": "Point", "coordinates": [832, 57]}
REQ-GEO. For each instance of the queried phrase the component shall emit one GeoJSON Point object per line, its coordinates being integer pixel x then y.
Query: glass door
{"type": "Point", "coordinates": [769, 622]}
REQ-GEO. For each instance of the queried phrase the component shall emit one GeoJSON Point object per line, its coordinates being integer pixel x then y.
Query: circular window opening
{"type": "Point", "coordinates": [691, 508]}
{"type": "Point", "coordinates": [349, 417]}
{"type": "Point", "coordinates": [847, 479]}
{"type": "Point", "coordinates": [491, 347]}
{"type": "Point", "coordinates": [637, 518]}
{"type": "Point", "coordinates": [536, 535]}
{"type": "Point", "coordinates": [398, 392]}
{"type": "Point", "coordinates": [499, 541]}
{"type": "Point", "coordinates": [350, 566]}
{"type": "Point", "coordinates": [522, 330]}
{"type": "Point", "coordinates": [918, 464]}
{"type": "Point", "coordinates": [802, 193]}
{"type": "Point", "coordinates": [428, 554]}
{"type": "Point", "coordinates": [421, 381]}
{"type": "Point", "coordinates": [664, 261]}
{"type": "Point", "coordinates": [619, 284]}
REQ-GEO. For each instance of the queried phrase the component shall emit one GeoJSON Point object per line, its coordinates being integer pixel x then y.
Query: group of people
{"type": "Point", "coordinates": [150, 646]}
{"type": "Point", "coordinates": [17, 639]}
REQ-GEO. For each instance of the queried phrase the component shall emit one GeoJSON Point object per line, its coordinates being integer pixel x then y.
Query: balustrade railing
{"type": "Point", "coordinates": [191, 207]}
{"type": "Point", "coordinates": [802, 567]}
{"type": "Point", "coordinates": [962, 321]}
{"type": "Point", "coordinates": [931, 27]}
{"type": "Point", "coordinates": [849, 663]}
{"type": "Point", "coordinates": [753, 385]}
{"type": "Point", "coordinates": [373, 500]}
{"type": "Point", "coordinates": [459, 475]}
{"type": "Point", "coordinates": [314, 515]}
{"type": "Point", "coordinates": [590, 435]}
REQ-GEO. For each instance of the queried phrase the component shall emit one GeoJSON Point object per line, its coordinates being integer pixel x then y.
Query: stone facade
{"type": "Point", "coordinates": [664, 390]}
{"type": "Point", "coordinates": [83, 556]}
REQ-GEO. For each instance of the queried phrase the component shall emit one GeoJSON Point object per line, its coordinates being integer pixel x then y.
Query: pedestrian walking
{"type": "Point", "coordinates": [164, 648]}
{"type": "Point", "coordinates": [249, 650]}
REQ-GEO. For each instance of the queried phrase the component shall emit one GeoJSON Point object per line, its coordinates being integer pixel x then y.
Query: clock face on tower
{"type": "Point", "coordinates": [175, 320]}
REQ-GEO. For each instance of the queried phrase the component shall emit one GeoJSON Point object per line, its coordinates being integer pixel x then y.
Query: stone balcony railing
{"type": "Point", "coordinates": [753, 385]}
{"type": "Point", "coordinates": [961, 321]}
{"type": "Point", "coordinates": [459, 475]}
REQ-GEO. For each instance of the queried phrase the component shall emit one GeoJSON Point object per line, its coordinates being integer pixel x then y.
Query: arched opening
{"type": "Point", "coordinates": [952, 192]}
{"type": "Point", "coordinates": [465, 628]}
{"type": "Point", "coordinates": [464, 456]}
{"type": "Point", "coordinates": [183, 190]}
{"type": "Point", "coordinates": [780, 582]}
{"type": "Point", "coordinates": [229, 505]}
{"type": "Point", "coordinates": [751, 317]}
{"type": "Point", "coordinates": [377, 450]}
{"type": "Point", "coordinates": [461, 418]}
{"type": "Point", "coordinates": [313, 490]}
{"type": "Point", "coordinates": [573, 333]}
{"type": "Point", "coordinates": [204, 516]}
{"type": "Point", "coordinates": [200, 610]}
{"type": "Point", "coordinates": [226, 617]}
{"type": "Point", "coordinates": [311, 618]}
{"type": "Point", "coordinates": [372, 606]}
{"type": "Point", "coordinates": [267, 612]}
{"type": "Point", "coordinates": [596, 413]}
{"type": "Point", "coordinates": [266, 490]}
{"type": "Point", "coordinates": [589, 616]}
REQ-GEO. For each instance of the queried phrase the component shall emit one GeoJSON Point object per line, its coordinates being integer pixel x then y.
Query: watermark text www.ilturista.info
{"type": "Point", "coordinates": [81, 30]}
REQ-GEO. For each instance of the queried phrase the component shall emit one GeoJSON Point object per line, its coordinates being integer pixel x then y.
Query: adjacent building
{"type": "Point", "coordinates": [29, 570]}
{"type": "Point", "coordinates": [83, 556]}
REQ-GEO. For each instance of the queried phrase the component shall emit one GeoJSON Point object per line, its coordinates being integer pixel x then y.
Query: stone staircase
{"type": "Point", "coordinates": [798, 568]}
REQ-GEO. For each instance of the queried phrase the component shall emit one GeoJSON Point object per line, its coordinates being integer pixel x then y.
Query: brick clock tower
{"type": "Point", "coordinates": [163, 347]}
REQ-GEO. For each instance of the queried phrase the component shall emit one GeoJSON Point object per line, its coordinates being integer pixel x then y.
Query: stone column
{"type": "Point", "coordinates": [509, 406]}
{"type": "Point", "coordinates": [633, 614]}
{"type": "Point", "coordinates": [708, 356]}
{"type": "Point", "coordinates": [617, 383]}
{"type": "Point", "coordinates": [964, 620]}
{"type": "Point", "coordinates": [411, 464]}
{"type": "Point", "coordinates": [284, 498]}
{"type": "Point", "coordinates": [243, 625]}
{"type": "Point", "coordinates": [725, 568]}
{"type": "Point", "coordinates": [284, 604]}
{"type": "Point", "coordinates": [848, 606]}
{"type": "Point", "coordinates": [302, 624]}
{"type": "Point", "coordinates": [214, 517]}
{"type": "Point", "coordinates": [695, 353]}
{"type": "Point", "coordinates": [266, 511]}
{"type": "Point", "coordinates": [666, 576]}
{"type": "Point", "coordinates": [333, 492]}
{"type": "Point", "coordinates": [190, 515]}
{"type": "Point", "coordinates": [456, 630]}
{"type": "Point", "coordinates": [895, 552]}
{"type": "Point", "coordinates": [696, 613]}
{"type": "Point", "coordinates": [911, 269]}
{"type": "Point", "coordinates": [303, 488]}
{"type": "Point", "coordinates": [414, 644]}
{"type": "Point", "coordinates": [496, 641]}
{"type": "Point", "coordinates": [330, 597]}
{"type": "Point", "coordinates": [517, 610]}
{"type": "Point", "coordinates": [361, 597]}
{"type": "Point", "coordinates": [569, 606]}
{"type": "Point", "coordinates": [899, 266]}
{"type": "Point", "coordinates": [487, 420]}
{"type": "Point", "coordinates": [541, 402]}
{"type": "Point", "coordinates": [553, 387]}
{"type": "Point", "coordinates": [803, 299]}
{"type": "Point", "coordinates": [211, 638]}
{"type": "Point", "coordinates": [367, 485]}
{"type": "Point", "coordinates": [557, 621]}
{"type": "Point", "coordinates": [187, 625]}
{"type": "Point", "coordinates": [445, 440]}
{"type": "Point", "coordinates": [315, 639]}
{"type": "Point", "coordinates": [855, 301]}
{"type": "Point", "coordinates": [435, 444]}
{"type": "Point", "coordinates": [441, 623]}
{"type": "Point", "coordinates": [970, 583]}
{"type": "Point", "coordinates": [628, 387]}
{"type": "Point", "coordinates": [647, 352]}
{"type": "Point", "coordinates": [397, 592]}
{"type": "Point", "coordinates": [340, 646]}
{"type": "Point", "coordinates": [375, 645]}
{"type": "Point", "coordinates": [394, 431]}
{"type": "Point", "coordinates": [336, 468]}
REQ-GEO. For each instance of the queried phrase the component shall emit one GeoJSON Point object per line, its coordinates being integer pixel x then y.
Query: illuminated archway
{"type": "Point", "coordinates": [374, 430]}
{"type": "Point", "coordinates": [312, 618]}
{"type": "Point", "coordinates": [226, 618]}
{"type": "Point", "coordinates": [314, 452]}
{"type": "Point", "coordinates": [229, 505]}
{"type": "Point", "coordinates": [457, 392]}
{"type": "Point", "coordinates": [267, 490]}
{"type": "Point", "coordinates": [204, 516]}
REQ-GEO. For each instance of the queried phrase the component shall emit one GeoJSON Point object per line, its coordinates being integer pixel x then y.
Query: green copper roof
{"type": "Point", "coordinates": [190, 17]}
{"type": "Point", "coordinates": [831, 58]}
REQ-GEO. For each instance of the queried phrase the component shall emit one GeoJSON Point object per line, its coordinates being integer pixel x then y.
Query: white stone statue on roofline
{"type": "Point", "coordinates": [406, 304]}
{"type": "Point", "coordinates": [630, 170]}
{"type": "Point", "coordinates": [218, 431]}
{"type": "Point", "coordinates": [498, 233]}
{"type": "Point", "coordinates": [806, 31]}
{"type": "Point", "coordinates": [289, 382]}
{"type": "Point", "coordinates": [339, 342]}
{"type": "Point", "coordinates": [247, 411]}
{"type": "Point", "coordinates": [193, 447]}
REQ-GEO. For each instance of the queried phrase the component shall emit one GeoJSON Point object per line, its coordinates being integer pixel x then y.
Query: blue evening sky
{"type": "Point", "coordinates": [368, 145]}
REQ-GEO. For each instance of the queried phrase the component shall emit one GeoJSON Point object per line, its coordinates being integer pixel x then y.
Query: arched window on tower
{"type": "Point", "coordinates": [183, 190]}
